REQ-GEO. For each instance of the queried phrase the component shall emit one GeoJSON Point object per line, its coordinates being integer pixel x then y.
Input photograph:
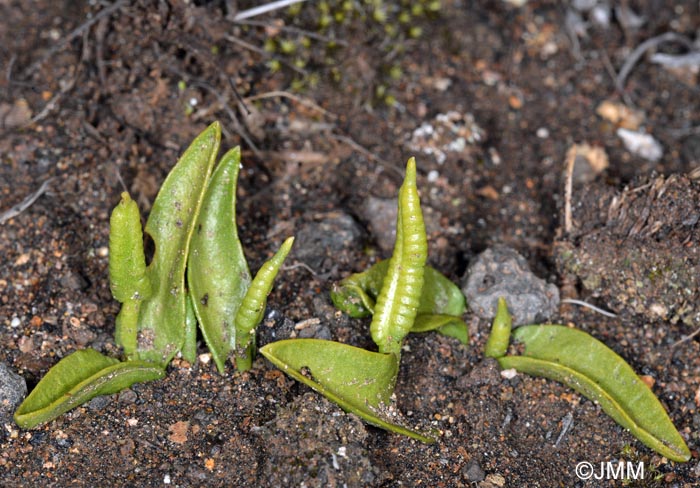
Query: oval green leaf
{"type": "Point", "coordinates": [447, 325]}
{"type": "Point", "coordinates": [356, 295]}
{"type": "Point", "coordinates": [217, 271]}
{"type": "Point", "coordinates": [78, 378]}
{"type": "Point", "coordinates": [588, 366]}
{"type": "Point", "coordinates": [161, 324]}
{"type": "Point", "coordinates": [359, 381]}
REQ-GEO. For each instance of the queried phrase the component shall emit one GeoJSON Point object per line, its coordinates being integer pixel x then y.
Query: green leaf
{"type": "Point", "coordinates": [447, 325]}
{"type": "Point", "coordinates": [217, 271]}
{"type": "Point", "coordinates": [251, 311]}
{"type": "Point", "coordinates": [359, 381]}
{"type": "Point", "coordinates": [399, 297]}
{"type": "Point", "coordinates": [588, 366]}
{"type": "Point", "coordinates": [356, 294]}
{"type": "Point", "coordinates": [76, 379]}
{"type": "Point", "coordinates": [161, 324]}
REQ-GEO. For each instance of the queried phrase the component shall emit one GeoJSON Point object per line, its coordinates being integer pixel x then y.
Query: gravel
{"type": "Point", "coordinates": [501, 272]}
{"type": "Point", "coordinates": [13, 389]}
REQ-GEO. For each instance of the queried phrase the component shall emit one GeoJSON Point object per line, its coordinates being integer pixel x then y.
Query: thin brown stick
{"type": "Point", "coordinates": [350, 142]}
{"type": "Point", "coordinates": [644, 47]}
{"type": "Point", "coordinates": [237, 126]}
{"type": "Point", "coordinates": [25, 204]}
{"type": "Point", "coordinates": [52, 104]}
{"type": "Point", "coordinates": [611, 72]}
{"type": "Point", "coordinates": [686, 338]}
{"type": "Point", "coordinates": [73, 34]}
{"type": "Point", "coordinates": [291, 96]}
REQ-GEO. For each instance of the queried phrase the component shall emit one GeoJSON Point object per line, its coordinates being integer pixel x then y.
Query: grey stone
{"type": "Point", "coordinates": [328, 239]}
{"type": "Point", "coordinates": [13, 389]}
{"type": "Point", "coordinates": [501, 272]}
{"type": "Point", "coordinates": [473, 472]}
{"type": "Point", "coordinates": [380, 215]}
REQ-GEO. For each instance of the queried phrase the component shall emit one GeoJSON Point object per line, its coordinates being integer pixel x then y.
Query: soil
{"type": "Point", "coordinates": [97, 98]}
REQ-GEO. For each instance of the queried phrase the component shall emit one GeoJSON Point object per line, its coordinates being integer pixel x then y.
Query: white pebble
{"type": "Point", "coordinates": [543, 133]}
{"type": "Point", "coordinates": [15, 322]}
{"type": "Point", "coordinates": [433, 176]}
{"type": "Point", "coordinates": [509, 373]}
{"type": "Point", "coordinates": [641, 144]}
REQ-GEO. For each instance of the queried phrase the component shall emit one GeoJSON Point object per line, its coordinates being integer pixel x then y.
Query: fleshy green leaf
{"type": "Point", "coordinates": [161, 324]}
{"type": "Point", "coordinates": [399, 297]}
{"type": "Point", "coordinates": [359, 381]}
{"type": "Point", "coordinates": [587, 365]}
{"type": "Point", "coordinates": [356, 294]}
{"type": "Point", "coordinates": [251, 310]}
{"type": "Point", "coordinates": [447, 325]}
{"type": "Point", "coordinates": [76, 379]}
{"type": "Point", "coordinates": [217, 271]}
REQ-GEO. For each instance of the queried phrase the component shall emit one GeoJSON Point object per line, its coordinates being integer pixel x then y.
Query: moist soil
{"type": "Point", "coordinates": [97, 98]}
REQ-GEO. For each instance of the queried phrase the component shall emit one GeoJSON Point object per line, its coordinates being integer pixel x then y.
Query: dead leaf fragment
{"type": "Point", "coordinates": [589, 162]}
{"type": "Point", "coordinates": [620, 115]}
{"type": "Point", "coordinates": [15, 115]}
{"type": "Point", "coordinates": [178, 432]}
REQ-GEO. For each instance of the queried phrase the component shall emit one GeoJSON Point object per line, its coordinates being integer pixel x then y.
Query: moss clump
{"type": "Point", "coordinates": [311, 42]}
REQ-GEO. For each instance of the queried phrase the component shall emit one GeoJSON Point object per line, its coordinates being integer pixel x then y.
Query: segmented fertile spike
{"type": "Point", "coordinates": [399, 299]}
{"type": "Point", "coordinates": [252, 307]}
{"type": "Point", "coordinates": [128, 279]}
{"type": "Point", "coordinates": [127, 261]}
{"type": "Point", "coordinates": [497, 343]}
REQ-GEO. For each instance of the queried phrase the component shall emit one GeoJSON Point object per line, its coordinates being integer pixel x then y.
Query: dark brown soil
{"type": "Point", "coordinates": [99, 100]}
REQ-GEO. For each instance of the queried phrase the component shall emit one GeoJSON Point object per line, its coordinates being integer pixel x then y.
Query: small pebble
{"type": "Point", "coordinates": [641, 144]}
{"type": "Point", "coordinates": [13, 389]}
{"type": "Point", "coordinates": [100, 402]}
{"type": "Point", "coordinates": [15, 322]}
{"type": "Point", "coordinates": [501, 272]}
{"type": "Point", "coordinates": [473, 472]}
{"type": "Point", "coordinates": [509, 374]}
{"type": "Point", "coordinates": [320, 242]}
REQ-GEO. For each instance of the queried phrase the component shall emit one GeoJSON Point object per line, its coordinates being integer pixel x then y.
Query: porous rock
{"type": "Point", "coordinates": [501, 272]}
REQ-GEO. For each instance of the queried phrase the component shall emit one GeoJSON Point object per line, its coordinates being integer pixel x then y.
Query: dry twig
{"type": "Point", "coordinates": [263, 9]}
{"type": "Point", "coordinates": [73, 34]}
{"type": "Point", "coordinates": [369, 154]}
{"type": "Point", "coordinates": [25, 204]}
{"type": "Point", "coordinates": [644, 47]}
{"type": "Point", "coordinates": [303, 101]}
